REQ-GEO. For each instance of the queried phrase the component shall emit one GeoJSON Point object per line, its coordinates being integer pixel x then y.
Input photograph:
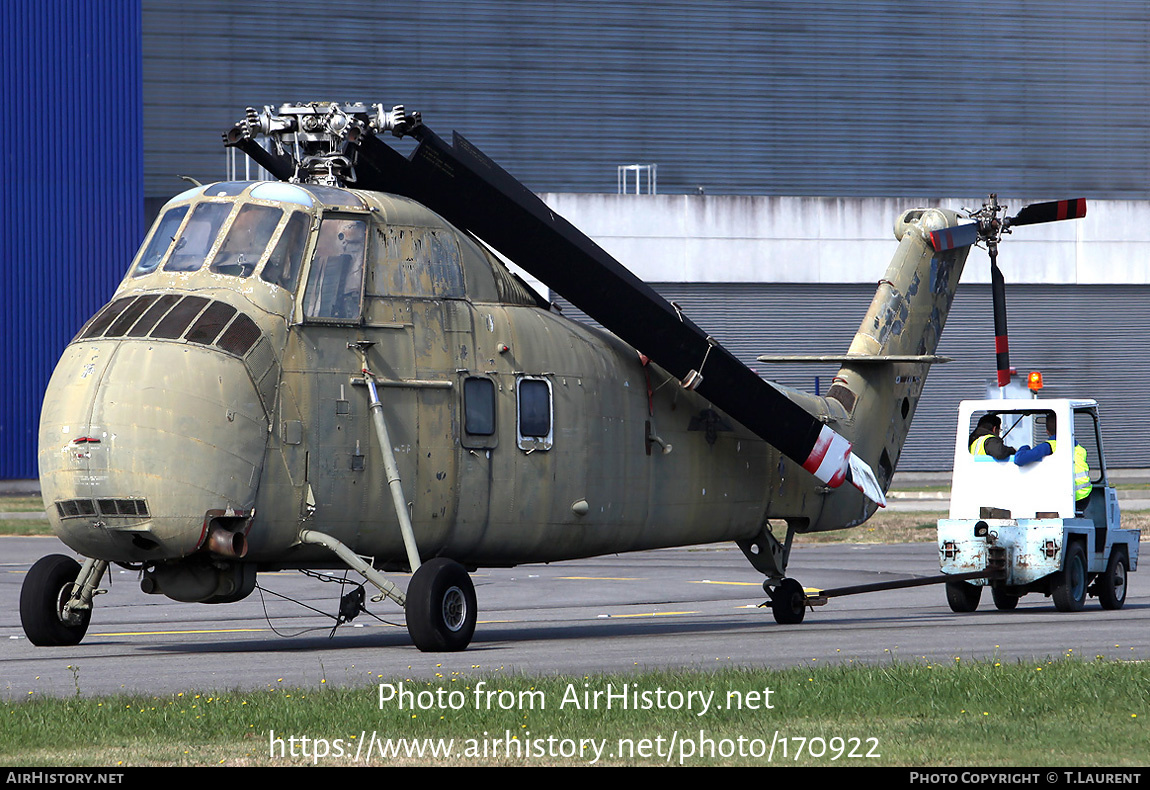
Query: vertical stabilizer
{"type": "Point", "coordinates": [905, 319]}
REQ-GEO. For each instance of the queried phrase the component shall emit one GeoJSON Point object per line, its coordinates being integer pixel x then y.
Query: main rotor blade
{"type": "Point", "coordinates": [958, 236]}
{"type": "Point", "coordinates": [1052, 211]}
{"type": "Point", "coordinates": [473, 192]}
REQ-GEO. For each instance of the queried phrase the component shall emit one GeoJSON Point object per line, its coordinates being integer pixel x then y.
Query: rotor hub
{"type": "Point", "coordinates": [316, 142]}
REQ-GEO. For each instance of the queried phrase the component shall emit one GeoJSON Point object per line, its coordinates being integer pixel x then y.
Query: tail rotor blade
{"type": "Point", "coordinates": [1001, 345]}
{"type": "Point", "coordinates": [1052, 211]}
{"type": "Point", "coordinates": [959, 236]}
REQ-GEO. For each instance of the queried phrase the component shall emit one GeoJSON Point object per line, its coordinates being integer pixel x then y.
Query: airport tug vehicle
{"type": "Point", "coordinates": [1028, 528]}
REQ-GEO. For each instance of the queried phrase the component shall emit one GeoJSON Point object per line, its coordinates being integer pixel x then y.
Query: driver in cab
{"type": "Point", "coordinates": [1029, 455]}
{"type": "Point", "coordinates": [986, 439]}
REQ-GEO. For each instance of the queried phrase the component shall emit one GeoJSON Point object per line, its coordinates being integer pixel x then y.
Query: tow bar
{"type": "Point", "coordinates": [995, 571]}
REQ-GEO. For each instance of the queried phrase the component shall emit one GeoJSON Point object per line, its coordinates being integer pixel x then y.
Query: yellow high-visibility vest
{"type": "Point", "coordinates": [1082, 486]}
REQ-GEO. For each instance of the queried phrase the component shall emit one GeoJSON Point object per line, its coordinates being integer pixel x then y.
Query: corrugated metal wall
{"type": "Point", "coordinates": [1088, 341]}
{"type": "Point", "coordinates": [839, 98]}
{"type": "Point", "coordinates": [779, 98]}
{"type": "Point", "coordinates": [72, 192]}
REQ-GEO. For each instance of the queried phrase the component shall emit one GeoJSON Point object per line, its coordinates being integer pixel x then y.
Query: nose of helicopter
{"type": "Point", "coordinates": [146, 448]}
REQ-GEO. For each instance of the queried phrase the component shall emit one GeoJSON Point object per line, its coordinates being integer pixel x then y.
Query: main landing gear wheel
{"type": "Point", "coordinates": [46, 590]}
{"type": "Point", "coordinates": [963, 597]}
{"type": "Point", "coordinates": [789, 602]}
{"type": "Point", "coordinates": [1069, 590]}
{"type": "Point", "coordinates": [1112, 586]}
{"type": "Point", "coordinates": [441, 607]}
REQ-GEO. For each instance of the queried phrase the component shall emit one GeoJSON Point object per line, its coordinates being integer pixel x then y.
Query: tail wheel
{"type": "Point", "coordinates": [441, 610]}
{"type": "Point", "coordinates": [46, 590]}
{"type": "Point", "coordinates": [1112, 586]}
{"type": "Point", "coordinates": [963, 597]}
{"type": "Point", "coordinates": [789, 602]}
{"type": "Point", "coordinates": [1069, 590]}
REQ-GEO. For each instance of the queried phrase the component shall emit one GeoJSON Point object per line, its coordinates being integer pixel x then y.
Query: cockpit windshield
{"type": "Point", "coordinates": [161, 241]}
{"type": "Point", "coordinates": [233, 239]}
{"type": "Point", "coordinates": [197, 237]}
{"type": "Point", "coordinates": [246, 240]}
{"type": "Point", "coordinates": [284, 263]}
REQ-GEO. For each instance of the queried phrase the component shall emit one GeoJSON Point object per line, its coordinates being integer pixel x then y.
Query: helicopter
{"type": "Point", "coordinates": [335, 369]}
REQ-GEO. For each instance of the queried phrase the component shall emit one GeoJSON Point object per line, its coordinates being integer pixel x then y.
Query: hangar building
{"type": "Point", "coordinates": [786, 134]}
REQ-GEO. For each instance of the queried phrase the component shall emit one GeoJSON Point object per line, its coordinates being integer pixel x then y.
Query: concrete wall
{"type": "Point", "coordinates": [698, 238]}
{"type": "Point", "coordinates": [750, 270]}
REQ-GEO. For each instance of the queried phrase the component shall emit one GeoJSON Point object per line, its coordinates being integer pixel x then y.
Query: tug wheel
{"type": "Point", "coordinates": [1112, 586]}
{"type": "Point", "coordinates": [440, 607]}
{"type": "Point", "coordinates": [1004, 601]}
{"type": "Point", "coordinates": [963, 597]}
{"type": "Point", "coordinates": [1069, 590]}
{"type": "Point", "coordinates": [45, 591]}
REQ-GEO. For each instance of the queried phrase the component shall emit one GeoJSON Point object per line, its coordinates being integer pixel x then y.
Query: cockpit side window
{"type": "Point", "coordinates": [335, 281]}
{"type": "Point", "coordinates": [161, 241]}
{"type": "Point", "coordinates": [197, 238]}
{"type": "Point", "coordinates": [246, 240]}
{"type": "Point", "coordinates": [419, 262]}
{"type": "Point", "coordinates": [284, 263]}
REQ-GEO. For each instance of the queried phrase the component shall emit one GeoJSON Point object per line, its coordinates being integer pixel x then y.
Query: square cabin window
{"type": "Point", "coordinates": [479, 406]}
{"type": "Point", "coordinates": [534, 401]}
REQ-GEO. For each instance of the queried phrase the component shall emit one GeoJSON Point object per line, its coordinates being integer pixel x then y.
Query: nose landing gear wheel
{"type": "Point", "coordinates": [440, 607]}
{"type": "Point", "coordinates": [46, 590]}
{"type": "Point", "coordinates": [789, 602]}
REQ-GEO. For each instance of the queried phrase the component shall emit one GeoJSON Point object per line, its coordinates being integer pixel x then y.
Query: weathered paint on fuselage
{"type": "Point", "coordinates": [501, 504]}
{"type": "Point", "coordinates": [279, 425]}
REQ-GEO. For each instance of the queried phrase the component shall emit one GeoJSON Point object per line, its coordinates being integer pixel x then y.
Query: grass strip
{"type": "Point", "coordinates": [1061, 712]}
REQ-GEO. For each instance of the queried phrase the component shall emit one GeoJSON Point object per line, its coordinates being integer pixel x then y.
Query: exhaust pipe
{"type": "Point", "coordinates": [226, 543]}
{"type": "Point", "coordinates": [227, 532]}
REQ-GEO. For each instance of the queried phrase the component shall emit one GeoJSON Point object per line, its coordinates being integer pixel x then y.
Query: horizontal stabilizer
{"type": "Point", "coordinates": [857, 359]}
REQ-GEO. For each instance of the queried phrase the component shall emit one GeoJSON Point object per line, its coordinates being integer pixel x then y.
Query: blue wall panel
{"type": "Point", "coordinates": [71, 96]}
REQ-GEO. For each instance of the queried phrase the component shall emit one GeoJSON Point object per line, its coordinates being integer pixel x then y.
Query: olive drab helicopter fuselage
{"type": "Point", "coordinates": [515, 429]}
{"type": "Point", "coordinates": [303, 374]}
